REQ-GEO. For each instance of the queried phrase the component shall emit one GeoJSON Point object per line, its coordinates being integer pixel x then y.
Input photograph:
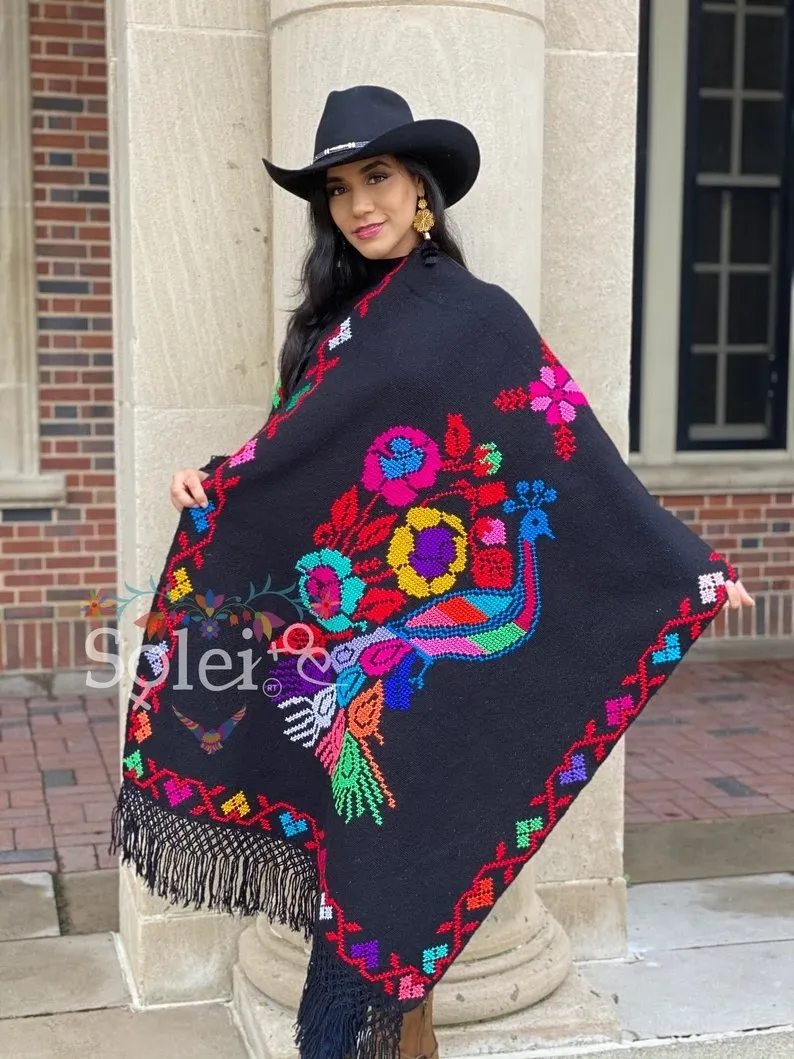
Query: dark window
{"type": "Point", "coordinates": [643, 73]}
{"type": "Point", "coordinates": [737, 253]}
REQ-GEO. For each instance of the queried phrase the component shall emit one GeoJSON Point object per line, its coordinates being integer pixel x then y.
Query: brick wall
{"type": "Point", "coordinates": [49, 557]}
{"type": "Point", "coordinates": [756, 533]}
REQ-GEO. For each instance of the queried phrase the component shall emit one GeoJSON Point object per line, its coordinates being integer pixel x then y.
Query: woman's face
{"type": "Point", "coordinates": [373, 204]}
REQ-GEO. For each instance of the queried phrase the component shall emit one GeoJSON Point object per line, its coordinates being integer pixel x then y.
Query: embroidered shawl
{"type": "Point", "coordinates": [423, 605]}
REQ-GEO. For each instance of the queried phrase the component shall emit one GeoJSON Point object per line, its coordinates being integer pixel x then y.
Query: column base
{"type": "Point", "coordinates": [573, 1014]}
{"type": "Point", "coordinates": [175, 955]}
{"type": "Point", "coordinates": [592, 912]}
{"type": "Point", "coordinates": [268, 1029]}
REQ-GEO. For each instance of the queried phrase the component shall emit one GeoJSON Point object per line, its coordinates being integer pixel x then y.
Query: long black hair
{"type": "Point", "coordinates": [333, 272]}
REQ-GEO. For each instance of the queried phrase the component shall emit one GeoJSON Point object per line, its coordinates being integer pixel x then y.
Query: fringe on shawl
{"type": "Point", "coordinates": [341, 1015]}
{"type": "Point", "coordinates": [189, 862]}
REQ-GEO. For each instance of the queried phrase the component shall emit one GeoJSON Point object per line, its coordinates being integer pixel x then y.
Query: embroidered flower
{"type": "Point", "coordinates": [556, 394]}
{"type": "Point", "coordinates": [428, 552]}
{"type": "Point", "coordinates": [399, 463]}
{"type": "Point", "coordinates": [329, 588]}
{"type": "Point", "coordinates": [493, 568]}
{"type": "Point", "coordinates": [209, 628]}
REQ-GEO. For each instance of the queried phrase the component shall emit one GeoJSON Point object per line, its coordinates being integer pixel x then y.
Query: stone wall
{"type": "Point", "coordinates": [756, 533]}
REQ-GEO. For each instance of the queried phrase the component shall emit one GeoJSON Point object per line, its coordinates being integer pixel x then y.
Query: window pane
{"type": "Point", "coordinates": [762, 137]}
{"type": "Point", "coordinates": [704, 331]}
{"type": "Point", "coordinates": [708, 208]}
{"type": "Point", "coordinates": [751, 227]}
{"type": "Point", "coordinates": [704, 388]}
{"type": "Point", "coordinates": [716, 50]}
{"type": "Point", "coordinates": [747, 386]}
{"type": "Point", "coordinates": [764, 48]}
{"type": "Point", "coordinates": [748, 310]}
{"type": "Point", "coordinates": [715, 136]}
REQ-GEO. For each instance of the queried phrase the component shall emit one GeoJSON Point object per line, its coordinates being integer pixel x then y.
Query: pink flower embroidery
{"type": "Point", "coordinates": [399, 463]}
{"type": "Point", "coordinates": [556, 394]}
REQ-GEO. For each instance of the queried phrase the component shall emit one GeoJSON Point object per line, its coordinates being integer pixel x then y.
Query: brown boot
{"type": "Point", "coordinates": [417, 1040]}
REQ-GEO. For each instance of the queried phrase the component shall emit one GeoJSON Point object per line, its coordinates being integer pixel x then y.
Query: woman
{"type": "Point", "coordinates": [459, 594]}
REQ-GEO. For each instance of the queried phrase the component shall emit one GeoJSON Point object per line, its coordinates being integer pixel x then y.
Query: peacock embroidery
{"type": "Point", "coordinates": [415, 567]}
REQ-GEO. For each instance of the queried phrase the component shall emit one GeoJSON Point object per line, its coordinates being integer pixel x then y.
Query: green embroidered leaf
{"type": "Point", "coordinates": [355, 789]}
{"type": "Point", "coordinates": [134, 763]}
{"type": "Point", "coordinates": [297, 396]}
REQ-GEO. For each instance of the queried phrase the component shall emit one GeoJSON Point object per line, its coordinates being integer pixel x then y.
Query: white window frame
{"type": "Point", "coordinates": [658, 463]}
{"type": "Point", "coordinates": [21, 483]}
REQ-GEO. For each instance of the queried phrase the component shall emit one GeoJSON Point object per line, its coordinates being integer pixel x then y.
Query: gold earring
{"type": "Point", "coordinates": [424, 219]}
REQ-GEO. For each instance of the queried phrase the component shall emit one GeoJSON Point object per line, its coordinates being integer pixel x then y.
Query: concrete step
{"type": "Point", "coordinates": [709, 974]}
{"type": "Point", "coordinates": [756, 1044]}
{"type": "Point", "coordinates": [196, 1031]}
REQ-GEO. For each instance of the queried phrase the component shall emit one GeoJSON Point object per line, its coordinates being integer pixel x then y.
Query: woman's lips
{"type": "Point", "coordinates": [368, 232]}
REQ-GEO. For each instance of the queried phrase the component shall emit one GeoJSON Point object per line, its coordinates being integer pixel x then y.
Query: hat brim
{"type": "Point", "coordinates": [448, 147]}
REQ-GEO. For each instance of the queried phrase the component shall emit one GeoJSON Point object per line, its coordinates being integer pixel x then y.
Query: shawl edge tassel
{"type": "Point", "coordinates": [192, 863]}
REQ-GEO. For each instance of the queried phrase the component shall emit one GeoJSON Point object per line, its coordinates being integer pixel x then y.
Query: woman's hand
{"type": "Point", "coordinates": [186, 489]}
{"type": "Point", "coordinates": [738, 596]}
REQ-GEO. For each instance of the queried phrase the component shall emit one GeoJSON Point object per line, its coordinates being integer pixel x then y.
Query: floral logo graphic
{"type": "Point", "coordinates": [178, 608]}
{"type": "Point", "coordinates": [97, 605]}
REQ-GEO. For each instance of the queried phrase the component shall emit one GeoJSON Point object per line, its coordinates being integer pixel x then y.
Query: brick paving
{"type": "Point", "coordinates": [718, 743]}
{"type": "Point", "coordinates": [58, 768]}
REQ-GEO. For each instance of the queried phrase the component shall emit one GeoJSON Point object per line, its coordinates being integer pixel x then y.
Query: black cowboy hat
{"type": "Point", "coordinates": [366, 120]}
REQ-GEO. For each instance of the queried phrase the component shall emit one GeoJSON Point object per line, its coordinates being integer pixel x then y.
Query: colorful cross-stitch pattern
{"type": "Point", "coordinates": [433, 559]}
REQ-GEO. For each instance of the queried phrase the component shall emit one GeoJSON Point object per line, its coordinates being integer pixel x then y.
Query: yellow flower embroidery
{"type": "Point", "coordinates": [428, 552]}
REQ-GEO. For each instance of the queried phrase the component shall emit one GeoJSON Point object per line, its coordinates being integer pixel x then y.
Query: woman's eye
{"type": "Point", "coordinates": [378, 176]}
{"type": "Point", "coordinates": [332, 191]}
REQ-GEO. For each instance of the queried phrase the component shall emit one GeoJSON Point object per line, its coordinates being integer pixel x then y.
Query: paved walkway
{"type": "Point", "coordinates": [717, 743]}
{"type": "Point", "coordinates": [58, 767]}
{"type": "Point", "coordinates": [65, 995]}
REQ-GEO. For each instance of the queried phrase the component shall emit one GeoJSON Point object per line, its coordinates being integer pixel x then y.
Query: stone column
{"type": "Point", "coordinates": [191, 219]}
{"type": "Point", "coordinates": [588, 223]}
{"type": "Point", "coordinates": [482, 64]}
